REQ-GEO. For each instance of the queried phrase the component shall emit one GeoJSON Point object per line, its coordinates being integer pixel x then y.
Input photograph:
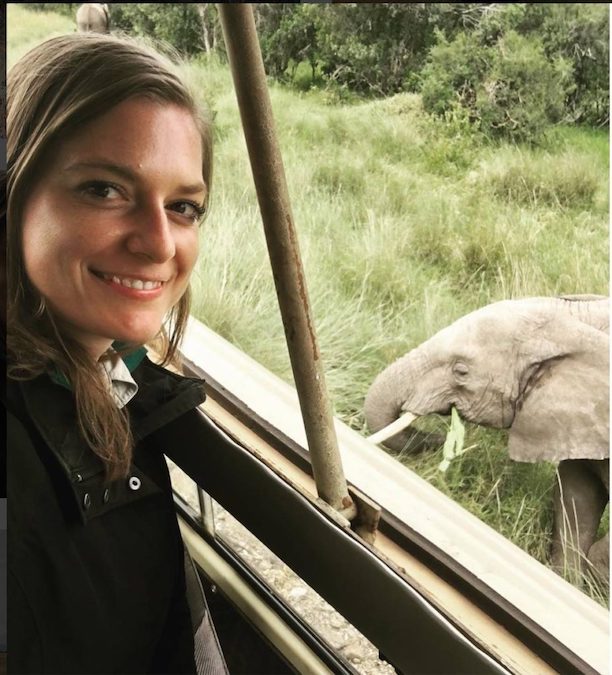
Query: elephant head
{"type": "Point", "coordinates": [93, 17]}
{"type": "Point", "coordinates": [536, 365]}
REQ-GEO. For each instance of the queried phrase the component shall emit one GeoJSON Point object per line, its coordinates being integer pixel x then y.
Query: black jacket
{"type": "Point", "coordinates": [96, 579]}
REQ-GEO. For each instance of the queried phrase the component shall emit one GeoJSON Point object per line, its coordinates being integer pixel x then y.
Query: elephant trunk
{"type": "Point", "coordinates": [384, 404]}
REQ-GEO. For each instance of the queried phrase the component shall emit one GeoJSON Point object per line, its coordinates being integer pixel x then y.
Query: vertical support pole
{"type": "Point", "coordinates": [253, 97]}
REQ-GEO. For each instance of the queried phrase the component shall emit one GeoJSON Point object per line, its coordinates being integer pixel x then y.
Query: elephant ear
{"type": "Point", "coordinates": [564, 410]}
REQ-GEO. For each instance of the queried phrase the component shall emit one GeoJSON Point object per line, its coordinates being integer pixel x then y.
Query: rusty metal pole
{"type": "Point", "coordinates": [253, 97]}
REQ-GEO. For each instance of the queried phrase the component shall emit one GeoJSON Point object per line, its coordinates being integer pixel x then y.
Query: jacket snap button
{"type": "Point", "coordinates": [78, 478]}
{"type": "Point", "coordinates": [106, 496]}
{"type": "Point", "coordinates": [134, 483]}
{"type": "Point", "coordinates": [86, 501]}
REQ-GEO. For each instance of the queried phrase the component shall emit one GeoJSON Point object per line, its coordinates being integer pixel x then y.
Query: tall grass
{"type": "Point", "coordinates": [405, 224]}
{"type": "Point", "coordinates": [25, 30]}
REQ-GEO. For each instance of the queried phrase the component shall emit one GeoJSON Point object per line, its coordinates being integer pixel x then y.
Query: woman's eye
{"type": "Point", "coordinates": [100, 189]}
{"type": "Point", "coordinates": [189, 210]}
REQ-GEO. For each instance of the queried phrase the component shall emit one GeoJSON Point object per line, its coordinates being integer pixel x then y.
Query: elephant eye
{"type": "Point", "coordinates": [460, 369]}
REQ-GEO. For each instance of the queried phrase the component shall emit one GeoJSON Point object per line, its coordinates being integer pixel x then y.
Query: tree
{"type": "Point", "coordinates": [581, 34]}
{"type": "Point", "coordinates": [178, 24]}
{"type": "Point", "coordinates": [375, 48]}
{"type": "Point", "coordinates": [500, 74]}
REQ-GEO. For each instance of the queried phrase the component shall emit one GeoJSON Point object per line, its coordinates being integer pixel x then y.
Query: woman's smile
{"type": "Point", "coordinates": [135, 281]}
{"type": "Point", "coordinates": [131, 287]}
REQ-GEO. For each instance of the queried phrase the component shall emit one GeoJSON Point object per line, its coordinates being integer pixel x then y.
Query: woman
{"type": "Point", "coordinates": [108, 176]}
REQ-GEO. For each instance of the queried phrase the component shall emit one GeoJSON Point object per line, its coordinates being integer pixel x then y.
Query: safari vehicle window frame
{"type": "Point", "coordinates": [266, 403]}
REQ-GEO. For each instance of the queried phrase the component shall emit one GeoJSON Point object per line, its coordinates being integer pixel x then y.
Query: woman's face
{"type": "Point", "coordinates": [110, 231]}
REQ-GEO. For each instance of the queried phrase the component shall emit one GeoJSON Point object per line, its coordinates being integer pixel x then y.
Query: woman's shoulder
{"type": "Point", "coordinates": [163, 395]}
{"type": "Point", "coordinates": [152, 374]}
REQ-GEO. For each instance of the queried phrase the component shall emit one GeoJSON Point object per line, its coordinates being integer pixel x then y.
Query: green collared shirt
{"type": "Point", "coordinates": [119, 370]}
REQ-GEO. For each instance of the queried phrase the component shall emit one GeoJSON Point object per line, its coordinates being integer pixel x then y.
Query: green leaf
{"type": "Point", "coordinates": [453, 445]}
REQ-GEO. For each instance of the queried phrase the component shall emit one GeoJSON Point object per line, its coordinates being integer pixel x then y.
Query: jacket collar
{"type": "Point", "coordinates": [162, 397]}
{"type": "Point", "coordinates": [130, 361]}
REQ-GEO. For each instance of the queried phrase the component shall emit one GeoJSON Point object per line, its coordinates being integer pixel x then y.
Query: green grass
{"type": "Point", "coordinates": [25, 30]}
{"type": "Point", "coordinates": [405, 224]}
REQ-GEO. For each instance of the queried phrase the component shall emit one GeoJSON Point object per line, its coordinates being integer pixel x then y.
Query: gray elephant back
{"type": "Point", "coordinates": [592, 309]}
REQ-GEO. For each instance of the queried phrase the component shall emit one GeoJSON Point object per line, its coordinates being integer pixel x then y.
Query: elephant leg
{"type": "Point", "coordinates": [599, 557]}
{"type": "Point", "coordinates": [599, 553]}
{"type": "Point", "coordinates": [580, 498]}
{"type": "Point", "coordinates": [602, 469]}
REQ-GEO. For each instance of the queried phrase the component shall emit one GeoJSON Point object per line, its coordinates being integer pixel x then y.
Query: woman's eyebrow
{"type": "Point", "coordinates": [112, 167]}
{"type": "Point", "coordinates": [127, 173]}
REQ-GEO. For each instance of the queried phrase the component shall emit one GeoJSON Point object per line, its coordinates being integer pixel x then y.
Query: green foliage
{"type": "Point", "coordinates": [508, 89]}
{"type": "Point", "coordinates": [516, 67]}
{"type": "Point", "coordinates": [185, 26]}
{"type": "Point", "coordinates": [288, 36]}
{"type": "Point", "coordinates": [579, 32]}
{"type": "Point", "coordinates": [573, 38]}
{"type": "Point", "coordinates": [374, 48]}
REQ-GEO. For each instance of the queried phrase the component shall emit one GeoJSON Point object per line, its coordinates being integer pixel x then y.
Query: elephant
{"type": "Point", "coordinates": [93, 17]}
{"type": "Point", "coordinates": [535, 365]}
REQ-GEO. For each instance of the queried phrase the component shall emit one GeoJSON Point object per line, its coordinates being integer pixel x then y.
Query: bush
{"type": "Point", "coordinates": [374, 48]}
{"type": "Point", "coordinates": [509, 89]}
{"type": "Point", "coordinates": [500, 53]}
{"type": "Point", "coordinates": [288, 36]}
{"type": "Point", "coordinates": [580, 33]}
{"type": "Point", "coordinates": [178, 24]}
{"type": "Point", "coordinates": [577, 33]}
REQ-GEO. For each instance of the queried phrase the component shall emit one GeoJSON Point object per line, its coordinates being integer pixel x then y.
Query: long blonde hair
{"type": "Point", "coordinates": [57, 87]}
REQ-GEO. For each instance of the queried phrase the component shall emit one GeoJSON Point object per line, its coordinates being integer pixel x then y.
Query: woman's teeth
{"type": "Point", "coordinates": [138, 284]}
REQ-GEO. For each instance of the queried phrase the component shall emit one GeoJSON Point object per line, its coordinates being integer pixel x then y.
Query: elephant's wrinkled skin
{"type": "Point", "coordinates": [92, 17]}
{"type": "Point", "coordinates": [538, 366]}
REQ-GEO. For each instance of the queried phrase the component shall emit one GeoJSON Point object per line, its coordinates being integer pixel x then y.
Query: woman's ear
{"type": "Point", "coordinates": [564, 411]}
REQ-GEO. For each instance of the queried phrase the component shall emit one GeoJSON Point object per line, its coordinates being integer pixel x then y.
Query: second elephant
{"type": "Point", "coordinates": [93, 17]}
{"type": "Point", "coordinates": [540, 367]}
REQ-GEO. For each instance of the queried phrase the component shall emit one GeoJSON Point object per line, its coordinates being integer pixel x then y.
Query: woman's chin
{"type": "Point", "coordinates": [138, 339]}
{"type": "Point", "coordinates": [138, 336]}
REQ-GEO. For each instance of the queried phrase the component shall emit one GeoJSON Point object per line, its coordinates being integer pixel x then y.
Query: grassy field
{"type": "Point", "coordinates": [405, 224]}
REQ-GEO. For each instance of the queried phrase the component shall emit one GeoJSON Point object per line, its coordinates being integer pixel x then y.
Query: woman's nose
{"type": "Point", "coordinates": [151, 234]}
